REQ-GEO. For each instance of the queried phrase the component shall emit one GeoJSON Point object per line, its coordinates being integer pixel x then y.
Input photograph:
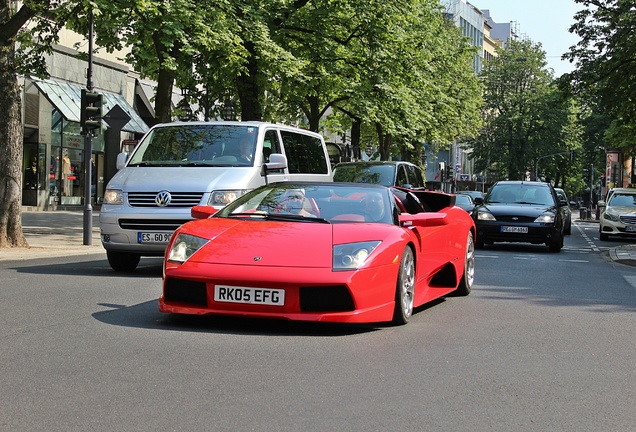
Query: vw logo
{"type": "Point", "coordinates": [163, 198]}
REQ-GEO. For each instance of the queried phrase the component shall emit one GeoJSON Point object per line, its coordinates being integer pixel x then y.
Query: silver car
{"type": "Point", "coordinates": [618, 217]}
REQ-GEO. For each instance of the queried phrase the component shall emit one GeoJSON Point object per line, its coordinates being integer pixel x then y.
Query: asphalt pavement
{"type": "Point", "coordinates": [61, 233]}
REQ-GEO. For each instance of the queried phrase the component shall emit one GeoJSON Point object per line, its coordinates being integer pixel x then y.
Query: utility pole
{"type": "Point", "coordinates": [88, 144]}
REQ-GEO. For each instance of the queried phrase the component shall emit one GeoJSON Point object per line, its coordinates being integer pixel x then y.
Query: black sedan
{"type": "Point", "coordinates": [520, 211]}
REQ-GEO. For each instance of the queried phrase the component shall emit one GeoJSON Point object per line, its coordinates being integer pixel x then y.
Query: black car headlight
{"type": "Point", "coordinates": [351, 256]}
{"type": "Point", "coordinates": [184, 246]}
{"type": "Point", "coordinates": [545, 218]}
{"type": "Point", "coordinates": [485, 216]}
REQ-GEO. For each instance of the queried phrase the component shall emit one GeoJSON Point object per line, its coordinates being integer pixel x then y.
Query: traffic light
{"type": "Point", "coordinates": [449, 174]}
{"type": "Point", "coordinates": [91, 115]}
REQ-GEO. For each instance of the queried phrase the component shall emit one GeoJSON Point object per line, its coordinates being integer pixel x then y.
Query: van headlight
{"type": "Point", "coordinates": [222, 198]}
{"type": "Point", "coordinates": [113, 196]}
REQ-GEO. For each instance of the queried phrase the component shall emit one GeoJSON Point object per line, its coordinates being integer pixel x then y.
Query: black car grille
{"type": "Point", "coordinates": [628, 219]}
{"type": "Point", "coordinates": [186, 292]}
{"type": "Point", "coordinates": [178, 199]}
{"type": "Point", "coordinates": [325, 299]}
{"type": "Point", "coordinates": [517, 219]}
{"type": "Point", "coordinates": [151, 224]}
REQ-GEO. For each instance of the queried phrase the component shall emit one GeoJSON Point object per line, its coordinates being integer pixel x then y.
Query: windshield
{"type": "Point", "coordinates": [197, 145]}
{"type": "Point", "coordinates": [520, 194]}
{"type": "Point", "coordinates": [306, 202]}
{"type": "Point", "coordinates": [361, 173]}
{"type": "Point", "coordinates": [619, 199]}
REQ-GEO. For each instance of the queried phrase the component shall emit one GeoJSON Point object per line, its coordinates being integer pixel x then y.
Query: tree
{"type": "Point", "coordinates": [26, 34]}
{"type": "Point", "coordinates": [606, 70]}
{"type": "Point", "coordinates": [524, 112]}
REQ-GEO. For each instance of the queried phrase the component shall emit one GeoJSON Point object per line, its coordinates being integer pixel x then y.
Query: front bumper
{"type": "Point", "coordinates": [492, 231]}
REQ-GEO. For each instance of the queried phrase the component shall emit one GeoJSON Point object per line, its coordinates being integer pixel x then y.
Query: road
{"type": "Point", "coordinates": [545, 342]}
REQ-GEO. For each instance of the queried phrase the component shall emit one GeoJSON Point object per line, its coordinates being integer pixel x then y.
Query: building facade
{"type": "Point", "coordinates": [54, 148]}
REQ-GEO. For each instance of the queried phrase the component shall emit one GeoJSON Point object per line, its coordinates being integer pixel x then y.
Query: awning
{"type": "Point", "coordinates": [66, 97]}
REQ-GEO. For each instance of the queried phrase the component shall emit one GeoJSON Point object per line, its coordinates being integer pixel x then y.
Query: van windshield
{"type": "Point", "coordinates": [197, 145]}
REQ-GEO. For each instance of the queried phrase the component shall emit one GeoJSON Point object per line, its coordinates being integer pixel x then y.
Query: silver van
{"type": "Point", "coordinates": [176, 166]}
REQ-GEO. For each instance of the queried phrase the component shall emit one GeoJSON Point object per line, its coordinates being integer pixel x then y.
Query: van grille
{"type": "Point", "coordinates": [177, 199]}
{"type": "Point", "coordinates": [151, 224]}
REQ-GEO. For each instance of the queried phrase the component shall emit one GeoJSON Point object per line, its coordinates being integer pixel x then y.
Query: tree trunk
{"type": "Point", "coordinates": [163, 98]}
{"type": "Point", "coordinates": [11, 152]}
{"type": "Point", "coordinates": [248, 88]}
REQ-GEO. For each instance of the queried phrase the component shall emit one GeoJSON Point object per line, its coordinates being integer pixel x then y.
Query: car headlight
{"type": "Point", "coordinates": [485, 216]}
{"type": "Point", "coordinates": [184, 246]}
{"type": "Point", "coordinates": [351, 256]}
{"type": "Point", "coordinates": [113, 196]}
{"type": "Point", "coordinates": [545, 218]}
{"type": "Point", "coordinates": [221, 198]}
{"type": "Point", "coordinates": [610, 216]}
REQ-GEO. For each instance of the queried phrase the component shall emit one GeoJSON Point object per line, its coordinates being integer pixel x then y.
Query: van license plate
{"type": "Point", "coordinates": [153, 237]}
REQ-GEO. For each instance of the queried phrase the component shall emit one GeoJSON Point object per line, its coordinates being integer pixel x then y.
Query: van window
{"type": "Point", "coordinates": [271, 144]}
{"type": "Point", "coordinates": [194, 145]}
{"type": "Point", "coordinates": [401, 178]}
{"type": "Point", "coordinates": [415, 176]}
{"type": "Point", "coordinates": [305, 153]}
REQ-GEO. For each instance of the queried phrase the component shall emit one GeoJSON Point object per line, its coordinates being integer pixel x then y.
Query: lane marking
{"type": "Point", "coordinates": [587, 239]}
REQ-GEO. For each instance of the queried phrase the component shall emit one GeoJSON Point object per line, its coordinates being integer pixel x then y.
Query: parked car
{"type": "Point", "coordinates": [179, 165]}
{"type": "Point", "coordinates": [618, 215]}
{"type": "Point", "coordinates": [338, 252]}
{"type": "Point", "coordinates": [564, 206]}
{"type": "Point", "coordinates": [466, 202]}
{"type": "Point", "coordinates": [472, 194]}
{"type": "Point", "coordinates": [520, 211]}
{"type": "Point", "coordinates": [386, 173]}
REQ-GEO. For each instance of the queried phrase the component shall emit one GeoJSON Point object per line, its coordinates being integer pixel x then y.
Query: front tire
{"type": "Point", "coordinates": [123, 261]}
{"type": "Point", "coordinates": [468, 278]}
{"type": "Point", "coordinates": [556, 244]}
{"type": "Point", "coordinates": [405, 291]}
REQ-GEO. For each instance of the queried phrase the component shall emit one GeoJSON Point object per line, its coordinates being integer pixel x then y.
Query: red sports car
{"type": "Point", "coordinates": [337, 252]}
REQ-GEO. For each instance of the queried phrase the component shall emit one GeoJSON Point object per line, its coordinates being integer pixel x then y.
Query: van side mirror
{"type": "Point", "coordinates": [121, 160]}
{"type": "Point", "coordinates": [276, 161]}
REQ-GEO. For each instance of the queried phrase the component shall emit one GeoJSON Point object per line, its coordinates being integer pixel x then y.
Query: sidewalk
{"type": "Point", "coordinates": [53, 234]}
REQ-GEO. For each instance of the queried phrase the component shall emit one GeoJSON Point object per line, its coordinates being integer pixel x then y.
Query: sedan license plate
{"type": "Point", "coordinates": [514, 229]}
{"type": "Point", "coordinates": [630, 228]}
{"type": "Point", "coordinates": [234, 294]}
{"type": "Point", "coordinates": [153, 237]}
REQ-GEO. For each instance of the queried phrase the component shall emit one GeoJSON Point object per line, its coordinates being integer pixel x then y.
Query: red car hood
{"type": "Point", "coordinates": [267, 243]}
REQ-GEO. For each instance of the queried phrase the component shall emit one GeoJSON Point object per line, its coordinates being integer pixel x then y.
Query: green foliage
{"type": "Point", "coordinates": [526, 117]}
{"type": "Point", "coordinates": [606, 71]}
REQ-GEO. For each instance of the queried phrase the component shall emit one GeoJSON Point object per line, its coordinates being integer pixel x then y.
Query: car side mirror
{"type": "Point", "coordinates": [202, 212]}
{"type": "Point", "coordinates": [601, 204]}
{"type": "Point", "coordinates": [276, 161]}
{"type": "Point", "coordinates": [121, 160]}
{"type": "Point", "coordinates": [479, 200]}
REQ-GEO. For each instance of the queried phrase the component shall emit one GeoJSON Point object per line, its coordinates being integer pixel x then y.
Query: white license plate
{"type": "Point", "coordinates": [233, 294]}
{"type": "Point", "coordinates": [514, 229]}
{"type": "Point", "coordinates": [153, 237]}
{"type": "Point", "coordinates": [630, 228]}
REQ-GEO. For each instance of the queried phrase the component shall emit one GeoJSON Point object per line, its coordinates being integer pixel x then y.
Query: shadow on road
{"type": "Point", "coordinates": [147, 315]}
{"type": "Point", "coordinates": [88, 266]}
